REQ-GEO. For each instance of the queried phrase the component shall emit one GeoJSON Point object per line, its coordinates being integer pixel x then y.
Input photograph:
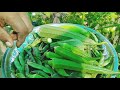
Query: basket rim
{"type": "Point", "coordinates": [116, 61]}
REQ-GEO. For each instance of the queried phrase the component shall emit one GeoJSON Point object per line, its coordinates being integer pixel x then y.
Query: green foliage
{"type": "Point", "coordinates": [41, 18]}
{"type": "Point", "coordinates": [107, 23]}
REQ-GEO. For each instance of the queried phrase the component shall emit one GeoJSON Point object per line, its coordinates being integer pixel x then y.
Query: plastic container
{"type": "Point", "coordinates": [109, 49]}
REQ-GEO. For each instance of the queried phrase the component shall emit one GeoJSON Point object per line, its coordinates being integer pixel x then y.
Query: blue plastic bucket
{"type": "Point", "coordinates": [29, 39]}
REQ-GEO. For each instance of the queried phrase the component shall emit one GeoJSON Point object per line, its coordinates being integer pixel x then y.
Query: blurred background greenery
{"type": "Point", "coordinates": [107, 23]}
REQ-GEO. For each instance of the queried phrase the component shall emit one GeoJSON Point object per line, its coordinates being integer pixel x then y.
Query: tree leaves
{"type": "Point", "coordinates": [118, 48]}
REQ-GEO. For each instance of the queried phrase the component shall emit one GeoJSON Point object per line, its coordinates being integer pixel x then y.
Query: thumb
{"type": "Point", "coordinates": [5, 37]}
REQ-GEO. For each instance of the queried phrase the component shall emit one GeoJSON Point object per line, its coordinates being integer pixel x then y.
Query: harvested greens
{"type": "Point", "coordinates": [59, 52]}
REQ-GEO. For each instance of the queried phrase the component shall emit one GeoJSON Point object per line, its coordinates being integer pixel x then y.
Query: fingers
{"type": "Point", "coordinates": [14, 35]}
{"type": "Point", "coordinates": [2, 22]}
{"type": "Point", "coordinates": [26, 20]}
{"type": "Point", "coordinates": [20, 22]}
{"type": "Point", "coordinates": [5, 37]}
{"type": "Point", "coordinates": [21, 39]}
{"type": "Point", "coordinates": [19, 26]}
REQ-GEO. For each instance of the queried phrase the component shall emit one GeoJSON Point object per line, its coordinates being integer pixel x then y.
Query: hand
{"type": "Point", "coordinates": [20, 23]}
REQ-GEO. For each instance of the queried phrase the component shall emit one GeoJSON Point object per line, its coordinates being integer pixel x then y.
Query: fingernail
{"type": "Point", "coordinates": [8, 44]}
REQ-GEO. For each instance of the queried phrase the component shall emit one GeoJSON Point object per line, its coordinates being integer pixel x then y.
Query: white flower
{"type": "Point", "coordinates": [33, 14]}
